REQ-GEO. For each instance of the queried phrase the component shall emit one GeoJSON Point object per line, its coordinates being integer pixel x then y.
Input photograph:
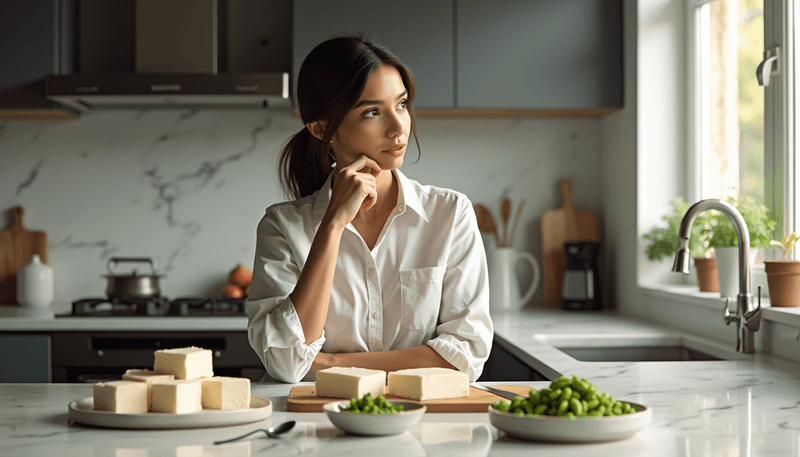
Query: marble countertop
{"type": "Point", "coordinates": [743, 405]}
{"type": "Point", "coordinates": [21, 319]}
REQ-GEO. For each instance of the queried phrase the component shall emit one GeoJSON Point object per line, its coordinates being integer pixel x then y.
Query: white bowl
{"type": "Point", "coordinates": [374, 424]}
{"type": "Point", "coordinates": [577, 430]}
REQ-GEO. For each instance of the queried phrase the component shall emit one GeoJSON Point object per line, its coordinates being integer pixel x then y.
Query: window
{"type": "Point", "coordinates": [741, 132]}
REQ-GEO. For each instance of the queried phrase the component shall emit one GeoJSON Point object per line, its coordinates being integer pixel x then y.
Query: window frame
{"type": "Point", "coordinates": [780, 108]}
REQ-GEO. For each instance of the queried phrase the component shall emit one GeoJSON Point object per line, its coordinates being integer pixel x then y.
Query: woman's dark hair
{"type": "Point", "coordinates": [330, 81]}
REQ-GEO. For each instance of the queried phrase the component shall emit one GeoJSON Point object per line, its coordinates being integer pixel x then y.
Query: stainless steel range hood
{"type": "Point", "coordinates": [176, 66]}
{"type": "Point", "coordinates": [148, 90]}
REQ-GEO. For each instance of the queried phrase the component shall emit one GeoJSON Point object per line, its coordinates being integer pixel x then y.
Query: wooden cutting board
{"type": "Point", "coordinates": [17, 245]}
{"type": "Point", "coordinates": [559, 226]}
{"type": "Point", "coordinates": [303, 399]}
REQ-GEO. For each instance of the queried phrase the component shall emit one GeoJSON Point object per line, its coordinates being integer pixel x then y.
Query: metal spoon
{"type": "Point", "coordinates": [272, 432]}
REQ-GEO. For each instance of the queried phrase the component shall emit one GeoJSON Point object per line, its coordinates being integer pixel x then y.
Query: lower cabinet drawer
{"type": "Point", "coordinates": [25, 358]}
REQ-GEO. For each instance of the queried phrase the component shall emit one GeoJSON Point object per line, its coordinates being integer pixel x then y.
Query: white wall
{"type": "Point", "coordinates": [187, 188]}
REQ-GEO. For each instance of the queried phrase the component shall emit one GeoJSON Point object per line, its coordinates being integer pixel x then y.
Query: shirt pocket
{"type": "Point", "coordinates": [420, 297]}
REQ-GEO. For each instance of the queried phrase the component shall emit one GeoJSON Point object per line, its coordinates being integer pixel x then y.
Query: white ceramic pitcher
{"type": "Point", "coordinates": [504, 287]}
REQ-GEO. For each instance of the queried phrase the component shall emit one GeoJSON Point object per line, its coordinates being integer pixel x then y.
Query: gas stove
{"type": "Point", "coordinates": [190, 306]}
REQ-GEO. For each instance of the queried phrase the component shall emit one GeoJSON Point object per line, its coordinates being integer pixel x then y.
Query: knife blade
{"type": "Point", "coordinates": [502, 393]}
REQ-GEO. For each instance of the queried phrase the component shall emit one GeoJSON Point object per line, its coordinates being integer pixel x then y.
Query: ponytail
{"type": "Point", "coordinates": [304, 165]}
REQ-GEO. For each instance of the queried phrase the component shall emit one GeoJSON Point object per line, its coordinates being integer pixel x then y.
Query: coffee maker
{"type": "Point", "coordinates": [581, 286]}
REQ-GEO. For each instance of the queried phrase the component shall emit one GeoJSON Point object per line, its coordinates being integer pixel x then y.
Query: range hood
{"type": "Point", "coordinates": [172, 90]}
{"type": "Point", "coordinates": [176, 66]}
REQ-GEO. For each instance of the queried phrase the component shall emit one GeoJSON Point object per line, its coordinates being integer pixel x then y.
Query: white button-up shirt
{"type": "Point", "coordinates": [424, 282]}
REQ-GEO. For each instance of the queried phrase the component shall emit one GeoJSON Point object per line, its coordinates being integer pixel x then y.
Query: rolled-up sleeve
{"type": "Point", "coordinates": [465, 330]}
{"type": "Point", "coordinates": [274, 329]}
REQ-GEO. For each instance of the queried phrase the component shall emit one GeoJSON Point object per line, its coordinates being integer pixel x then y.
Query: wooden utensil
{"type": "Point", "coordinates": [304, 399]}
{"type": "Point", "coordinates": [486, 221]}
{"type": "Point", "coordinates": [516, 221]}
{"type": "Point", "coordinates": [559, 226]}
{"type": "Point", "coordinates": [505, 212]}
{"type": "Point", "coordinates": [17, 245]}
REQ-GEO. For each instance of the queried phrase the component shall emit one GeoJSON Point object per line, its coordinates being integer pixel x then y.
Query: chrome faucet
{"type": "Point", "coordinates": [746, 317]}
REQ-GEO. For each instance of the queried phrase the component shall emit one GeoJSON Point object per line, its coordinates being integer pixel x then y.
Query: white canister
{"type": "Point", "coordinates": [35, 283]}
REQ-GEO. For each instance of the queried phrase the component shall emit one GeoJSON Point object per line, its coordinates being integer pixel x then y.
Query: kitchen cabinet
{"type": "Point", "coordinates": [549, 55]}
{"type": "Point", "coordinates": [254, 36]}
{"type": "Point", "coordinates": [25, 358]}
{"type": "Point", "coordinates": [104, 356]}
{"type": "Point", "coordinates": [473, 58]}
{"type": "Point", "coordinates": [35, 44]}
{"type": "Point", "coordinates": [420, 32]}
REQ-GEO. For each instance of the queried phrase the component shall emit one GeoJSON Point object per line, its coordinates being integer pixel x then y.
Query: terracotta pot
{"type": "Point", "coordinates": [783, 280]}
{"type": "Point", "coordinates": [707, 274]}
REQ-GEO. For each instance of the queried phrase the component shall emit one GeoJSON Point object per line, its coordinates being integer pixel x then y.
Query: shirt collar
{"type": "Point", "coordinates": [406, 197]}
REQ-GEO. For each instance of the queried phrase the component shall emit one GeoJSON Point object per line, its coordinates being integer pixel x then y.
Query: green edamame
{"type": "Point", "coordinates": [368, 405]}
{"type": "Point", "coordinates": [565, 397]}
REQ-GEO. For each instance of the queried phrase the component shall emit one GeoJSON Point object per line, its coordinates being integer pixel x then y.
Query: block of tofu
{"type": "Point", "coordinates": [125, 397]}
{"type": "Point", "coordinates": [185, 363]}
{"type": "Point", "coordinates": [148, 377]}
{"type": "Point", "coordinates": [428, 383]}
{"type": "Point", "coordinates": [180, 396]}
{"type": "Point", "coordinates": [348, 382]}
{"type": "Point", "coordinates": [222, 392]}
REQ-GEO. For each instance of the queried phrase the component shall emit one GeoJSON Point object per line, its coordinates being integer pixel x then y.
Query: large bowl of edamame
{"type": "Point", "coordinates": [368, 416]}
{"type": "Point", "coordinates": [571, 411]}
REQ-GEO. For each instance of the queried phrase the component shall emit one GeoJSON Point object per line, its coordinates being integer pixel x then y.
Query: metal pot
{"type": "Point", "coordinates": [132, 285]}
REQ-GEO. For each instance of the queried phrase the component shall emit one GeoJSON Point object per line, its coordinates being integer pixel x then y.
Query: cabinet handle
{"type": "Point", "coordinates": [253, 88]}
{"type": "Point", "coordinates": [86, 89]}
{"type": "Point", "coordinates": [100, 353]}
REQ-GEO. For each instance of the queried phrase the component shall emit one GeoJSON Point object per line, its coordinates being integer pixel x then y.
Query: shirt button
{"type": "Point", "coordinates": [371, 271]}
{"type": "Point", "coordinates": [375, 315]}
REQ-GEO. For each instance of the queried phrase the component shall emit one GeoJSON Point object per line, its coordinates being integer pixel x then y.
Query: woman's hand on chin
{"type": "Point", "coordinates": [354, 186]}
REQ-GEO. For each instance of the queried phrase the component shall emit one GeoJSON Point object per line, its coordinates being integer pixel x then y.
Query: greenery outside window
{"type": "Point", "coordinates": [742, 130]}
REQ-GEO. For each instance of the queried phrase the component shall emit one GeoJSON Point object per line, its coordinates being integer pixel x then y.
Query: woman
{"type": "Point", "coordinates": [366, 268]}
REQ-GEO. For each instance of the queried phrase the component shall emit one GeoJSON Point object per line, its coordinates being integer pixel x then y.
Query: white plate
{"type": "Point", "coordinates": [375, 424]}
{"type": "Point", "coordinates": [83, 411]}
{"type": "Point", "coordinates": [578, 430]}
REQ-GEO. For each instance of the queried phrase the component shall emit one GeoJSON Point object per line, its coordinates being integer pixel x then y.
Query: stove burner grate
{"type": "Point", "coordinates": [157, 306]}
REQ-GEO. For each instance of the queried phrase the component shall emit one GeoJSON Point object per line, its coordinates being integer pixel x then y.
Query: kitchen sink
{"type": "Point", "coordinates": [639, 348]}
{"type": "Point", "coordinates": [637, 354]}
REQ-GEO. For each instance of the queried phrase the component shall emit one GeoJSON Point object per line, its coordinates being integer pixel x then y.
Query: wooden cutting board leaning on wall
{"type": "Point", "coordinates": [558, 227]}
{"type": "Point", "coordinates": [17, 245]}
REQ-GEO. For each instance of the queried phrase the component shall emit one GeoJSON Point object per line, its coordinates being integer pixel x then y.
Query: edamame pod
{"type": "Point", "coordinates": [562, 408]}
{"type": "Point", "coordinates": [566, 394]}
{"type": "Point", "coordinates": [560, 382]}
{"type": "Point", "coordinates": [575, 406]}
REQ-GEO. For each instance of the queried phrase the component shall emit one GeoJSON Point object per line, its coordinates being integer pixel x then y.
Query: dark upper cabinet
{"type": "Point", "coordinates": [35, 44]}
{"type": "Point", "coordinates": [479, 58]}
{"type": "Point", "coordinates": [541, 54]}
{"type": "Point", "coordinates": [420, 32]}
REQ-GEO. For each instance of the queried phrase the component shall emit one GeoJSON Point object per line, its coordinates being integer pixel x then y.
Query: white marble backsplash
{"type": "Point", "coordinates": [187, 188]}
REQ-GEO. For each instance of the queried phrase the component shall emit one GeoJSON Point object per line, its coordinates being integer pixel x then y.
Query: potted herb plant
{"type": "Point", "coordinates": [783, 276]}
{"type": "Point", "coordinates": [663, 242]}
{"type": "Point", "coordinates": [760, 226]}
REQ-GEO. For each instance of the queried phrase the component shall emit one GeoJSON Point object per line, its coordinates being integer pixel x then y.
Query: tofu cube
{"type": "Point", "coordinates": [221, 392]}
{"type": "Point", "coordinates": [180, 396]}
{"type": "Point", "coordinates": [184, 363]}
{"type": "Point", "coordinates": [125, 397]}
{"type": "Point", "coordinates": [149, 378]}
{"type": "Point", "coordinates": [349, 382]}
{"type": "Point", "coordinates": [428, 383]}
